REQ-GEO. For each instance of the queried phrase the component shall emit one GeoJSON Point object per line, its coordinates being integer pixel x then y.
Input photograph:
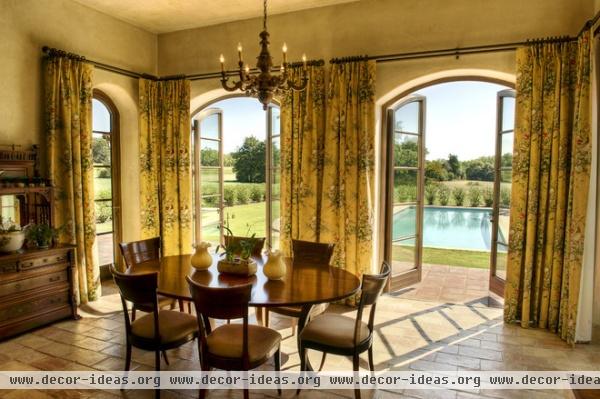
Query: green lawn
{"type": "Point", "coordinates": [243, 220]}
{"type": "Point", "coordinates": [451, 257]}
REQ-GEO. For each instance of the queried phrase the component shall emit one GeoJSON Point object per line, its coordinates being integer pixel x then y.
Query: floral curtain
{"type": "Point", "coordinates": [302, 138]}
{"type": "Point", "coordinates": [165, 174]}
{"type": "Point", "coordinates": [551, 172]}
{"type": "Point", "coordinates": [348, 166]}
{"type": "Point", "coordinates": [68, 103]}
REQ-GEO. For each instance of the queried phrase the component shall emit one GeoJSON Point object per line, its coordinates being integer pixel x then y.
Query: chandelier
{"type": "Point", "coordinates": [265, 84]}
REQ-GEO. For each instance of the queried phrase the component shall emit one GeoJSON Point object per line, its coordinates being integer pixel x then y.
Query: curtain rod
{"type": "Point", "coordinates": [456, 52]}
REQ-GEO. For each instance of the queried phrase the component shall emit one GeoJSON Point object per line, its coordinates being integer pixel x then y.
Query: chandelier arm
{"type": "Point", "coordinates": [234, 87]}
{"type": "Point", "coordinates": [298, 87]}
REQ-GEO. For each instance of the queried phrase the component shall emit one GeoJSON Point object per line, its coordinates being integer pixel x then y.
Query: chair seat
{"type": "Point", "coordinates": [334, 330]}
{"type": "Point", "coordinates": [226, 341]}
{"type": "Point", "coordinates": [173, 326]}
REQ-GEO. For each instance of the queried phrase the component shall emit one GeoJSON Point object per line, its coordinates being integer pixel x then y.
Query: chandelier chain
{"type": "Point", "coordinates": [264, 14]}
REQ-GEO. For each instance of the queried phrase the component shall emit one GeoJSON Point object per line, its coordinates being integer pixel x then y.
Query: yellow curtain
{"type": "Point", "coordinates": [302, 134]}
{"type": "Point", "coordinates": [68, 103]}
{"type": "Point", "coordinates": [348, 166]}
{"type": "Point", "coordinates": [551, 171]}
{"type": "Point", "coordinates": [165, 174]}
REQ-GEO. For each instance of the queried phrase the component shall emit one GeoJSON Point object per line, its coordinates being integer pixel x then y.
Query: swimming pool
{"type": "Point", "coordinates": [447, 227]}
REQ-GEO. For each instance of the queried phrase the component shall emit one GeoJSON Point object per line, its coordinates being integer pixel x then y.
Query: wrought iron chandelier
{"type": "Point", "coordinates": [263, 85]}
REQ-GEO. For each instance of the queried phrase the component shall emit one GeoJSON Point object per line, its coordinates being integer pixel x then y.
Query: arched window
{"type": "Point", "coordinates": [236, 149]}
{"type": "Point", "coordinates": [105, 151]}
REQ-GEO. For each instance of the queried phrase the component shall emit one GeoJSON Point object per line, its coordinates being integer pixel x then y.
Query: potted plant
{"type": "Point", "coordinates": [12, 236]}
{"type": "Point", "coordinates": [40, 234]}
{"type": "Point", "coordinates": [237, 255]}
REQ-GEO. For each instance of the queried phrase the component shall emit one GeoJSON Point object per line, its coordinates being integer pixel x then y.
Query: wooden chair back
{"type": "Point", "coordinates": [139, 289]}
{"type": "Point", "coordinates": [312, 252]}
{"type": "Point", "coordinates": [137, 252]}
{"type": "Point", "coordinates": [371, 288]}
{"type": "Point", "coordinates": [259, 243]}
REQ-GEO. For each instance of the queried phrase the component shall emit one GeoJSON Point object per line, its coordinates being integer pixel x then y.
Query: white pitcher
{"type": "Point", "coordinates": [274, 268]}
{"type": "Point", "coordinates": [201, 259]}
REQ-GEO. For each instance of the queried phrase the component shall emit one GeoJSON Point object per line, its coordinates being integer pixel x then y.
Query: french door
{"type": "Point", "coordinates": [405, 181]}
{"type": "Point", "coordinates": [207, 140]}
{"type": "Point", "coordinates": [505, 121]}
{"type": "Point", "coordinates": [273, 175]}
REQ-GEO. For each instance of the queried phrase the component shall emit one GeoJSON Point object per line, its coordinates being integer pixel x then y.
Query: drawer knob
{"type": "Point", "coordinates": [45, 260]}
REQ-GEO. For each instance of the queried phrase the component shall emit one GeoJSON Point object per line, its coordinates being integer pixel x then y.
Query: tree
{"type": "Point", "coordinates": [209, 157]}
{"type": "Point", "coordinates": [436, 170]}
{"type": "Point", "coordinates": [100, 151]}
{"type": "Point", "coordinates": [454, 167]}
{"type": "Point", "coordinates": [481, 169]}
{"type": "Point", "coordinates": [249, 161]}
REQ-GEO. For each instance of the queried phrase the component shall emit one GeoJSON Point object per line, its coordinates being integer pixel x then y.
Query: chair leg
{"type": "Point", "coordinates": [164, 353]}
{"type": "Point", "coordinates": [303, 358]}
{"type": "Point", "coordinates": [371, 364]}
{"type": "Point", "coordinates": [128, 357]}
{"type": "Point", "coordinates": [189, 307]}
{"type": "Point", "coordinates": [157, 360]}
{"type": "Point", "coordinates": [356, 367]}
{"type": "Point", "coordinates": [266, 317]}
{"type": "Point", "coordinates": [133, 313]}
{"type": "Point", "coordinates": [294, 325]}
{"type": "Point", "coordinates": [322, 361]}
{"type": "Point", "coordinates": [246, 394]}
{"type": "Point", "coordinates": [181, 308]}
{"type": "Point", "coordinates": [278, 368]}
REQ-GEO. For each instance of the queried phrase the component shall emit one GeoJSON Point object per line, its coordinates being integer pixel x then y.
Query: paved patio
{"type": "Point", "coordinates": [452, 284]}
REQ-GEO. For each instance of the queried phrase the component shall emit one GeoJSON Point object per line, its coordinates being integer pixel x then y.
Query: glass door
{"type": "Point", "coordinates": [404, 214]}
{"type": "Point", "coordinates": [505, 122]}
{"type": "Point", "coordinates": [207, 139]}
{"type": "Point", "coordinates": [273, 176]}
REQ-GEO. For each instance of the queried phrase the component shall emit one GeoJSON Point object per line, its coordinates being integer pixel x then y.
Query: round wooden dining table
{"type": "Point", "coordinates": [304, 284]}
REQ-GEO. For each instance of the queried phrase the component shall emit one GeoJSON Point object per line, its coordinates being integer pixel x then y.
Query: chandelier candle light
{"type": "Point", "coordinates": [264, 85]}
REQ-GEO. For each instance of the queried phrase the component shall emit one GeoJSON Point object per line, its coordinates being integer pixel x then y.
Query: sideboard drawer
{"type": "Point", "coordinates": [35, 305]}
{"type": "Point", "coordinates": [15, 287]}
{"type": "Point", "coordinates": [32, 263]}
{"type": "Point", "coordinates": [8, 267]}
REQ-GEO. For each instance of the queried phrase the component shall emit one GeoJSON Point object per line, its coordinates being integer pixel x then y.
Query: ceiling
{"type": "Point", "coordinates": [162, 16]}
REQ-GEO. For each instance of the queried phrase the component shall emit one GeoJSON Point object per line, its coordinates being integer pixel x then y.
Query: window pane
{"type": "Point", "coordinates": [405, 222]}
{"type": "Point", "coordinates": [102, 182]}
{"type": "Point", "coordinates": [275, 223]}
{"type": "Point", "coordinates": [210, 226]}
{"type": "Point", "coordinates": [275, 122]}
{"type": "Point", "coordinates": [210, 201]}
{"type": "Point", "coordinates": [209, 153]}
{"type": "Point", "coordinates": [404, 256]}
{"type": "Point", "coordinates": [100, 117]}
{"type": "Point", "coordinates": [209, 127]}
{"type": "Point", "coordinates": [406, 150]}
{"type": "Point", "coordinates": [276, 152]}
{"type": "Point", "coordinates": [246, 219]}
{"type": "Point", "coordinates": [101, 152]}
{"type": "Point", "coordinates": [506, 149]}
{"type": "Point", "coordinates": [104, 217]}
{"type": "Point", "coordinates": [501, 260]}
{"type": "Point", "coordinates": [405, 185]}
{"type": "Point", "coordinates": [276, 186]}
{"type": "Point", "coordinates": [508, 113]}
{"type": "Point", "coordinates": [506, 176]}
{"type": "Point", "coordinates": [406, 118]}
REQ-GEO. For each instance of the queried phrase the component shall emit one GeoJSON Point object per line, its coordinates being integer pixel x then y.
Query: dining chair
{"type": "Point", "coordinates": [342, 335]}
{"type": "Point", "coordinates": [161, 329]}
{"type": "Point", "coordinates": [259, 243]}
{"type": "Point", "coordinates": [306, 252]}
{"type": "Point", "coordinates": [231, 346]}
{"type": "Point", "coordinates": [137, 252]}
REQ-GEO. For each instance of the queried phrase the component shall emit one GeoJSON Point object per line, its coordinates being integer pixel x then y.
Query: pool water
{"type": "Point", "coordinates": [447, 227]}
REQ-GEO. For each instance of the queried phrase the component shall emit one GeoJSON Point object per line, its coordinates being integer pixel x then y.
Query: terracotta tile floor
{"type": "Point", "coordinates": [410, 335]}
{"type": "Point", "coordinates": [452, 284]}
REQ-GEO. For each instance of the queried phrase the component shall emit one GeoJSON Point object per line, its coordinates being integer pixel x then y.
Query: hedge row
{"type": "Point", "coordinates": [443, 194]}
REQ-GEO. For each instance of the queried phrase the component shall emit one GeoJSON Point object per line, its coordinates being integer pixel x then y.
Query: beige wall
{"type": "Point", "coordinates": [26, 26]}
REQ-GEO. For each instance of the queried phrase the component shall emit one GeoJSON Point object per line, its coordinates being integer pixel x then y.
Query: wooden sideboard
{"type": "Point", "coordinates": [36, 288]}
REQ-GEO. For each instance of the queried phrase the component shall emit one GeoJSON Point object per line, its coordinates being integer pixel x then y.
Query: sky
{"type": "Point", "coordinates": [460, 119]}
